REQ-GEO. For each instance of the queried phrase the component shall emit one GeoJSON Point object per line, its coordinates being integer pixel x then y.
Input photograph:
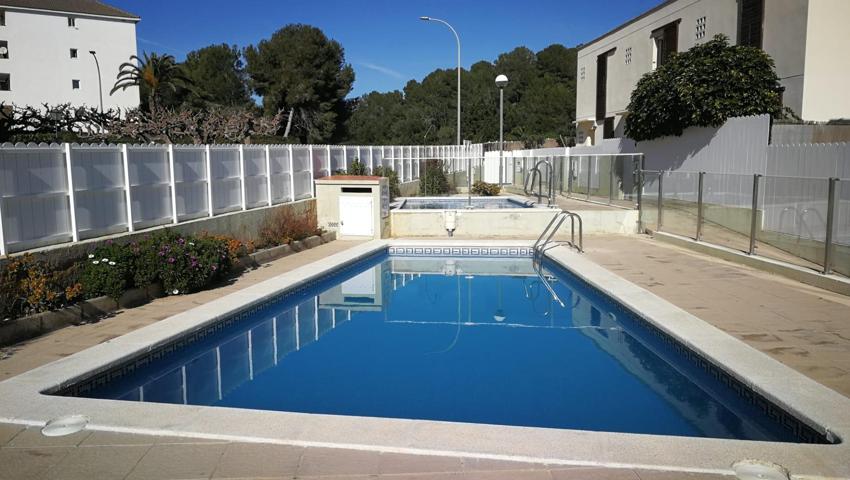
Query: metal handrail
{"type": "Point", "coordinates": [535, 172]}
{"type": "Point", "coordinates": [542, 243]}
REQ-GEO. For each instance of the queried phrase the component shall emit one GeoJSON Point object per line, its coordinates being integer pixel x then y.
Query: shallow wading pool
{"type": "Point", "coordinates": [458, 339]}
{"type": "Point", "coordinates": [461, 203]}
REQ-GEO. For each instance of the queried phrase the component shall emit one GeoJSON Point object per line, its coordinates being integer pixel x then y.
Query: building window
{"type": "Point", "coordinates": [4, 49]}
{"type": "Point", "coordinates": [72, 22]}
{"type": "Point", "coordinates": [750, 23]}
{"type": "Point", "coordinates": [5, 84]}
{"type": "Point", "coordinates": [665, 42]}
{"type": "Point", "coordinates": [608, 128]}
{"type": "Point", "coordinates": [628, 56]}
{"type": "Point", "coordinates": [582, 73]}
{"type": "Point", "coordinates": [75, 84]}
{"type": "Point", "coordinates": [602, 84]}
{"type": "Point", "coordinates": [700, 29]}
{"type": "Point", "coordinates": [2, 18]}
{"type": "Point", "coordinates": [73, 53]}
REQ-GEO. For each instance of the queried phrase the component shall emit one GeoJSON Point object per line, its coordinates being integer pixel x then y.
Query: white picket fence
{"type": "Point", "coordinates": [51, 194]}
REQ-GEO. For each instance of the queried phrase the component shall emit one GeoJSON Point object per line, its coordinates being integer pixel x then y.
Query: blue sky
{"type": "Point", "coordinates": [384, 40]}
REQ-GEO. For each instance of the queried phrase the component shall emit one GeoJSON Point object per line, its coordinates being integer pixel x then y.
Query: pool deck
{"type": "Point", "coordinates": [801, 326]}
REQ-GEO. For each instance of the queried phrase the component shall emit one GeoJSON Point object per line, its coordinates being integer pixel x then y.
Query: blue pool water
{"type": "Point", "coordinates": [463, 340]}
{"type": "Point", "coordinates": [458, 203]}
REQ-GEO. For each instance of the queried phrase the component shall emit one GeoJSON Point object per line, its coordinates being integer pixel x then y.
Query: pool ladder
{"type": "Point", "coordinates": [543, 242]}
{"type": "Point", "coordinates": [536, 174]}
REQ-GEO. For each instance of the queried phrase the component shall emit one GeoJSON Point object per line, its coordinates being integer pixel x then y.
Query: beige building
{"type": "Point", "coordinates": [806, 38]}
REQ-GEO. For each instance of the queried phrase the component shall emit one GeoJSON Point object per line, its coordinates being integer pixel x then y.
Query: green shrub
{"type": "Point", "coordinates": [434, 181]}
{"type": "Point", "coordinates": [389, 173]}
{"type": "Point", "coordinates": [704, 86]}
{"type": "Point", "coordinates": [29, 285]}
{"type": "Point", "coordinates": [108, 271]}
{"type": "Point", "coordinates": [182, 264]}
{"type": "Point", "coordinates": [486, 189]}
{"type": "Point", "coordinates": [356, 168]}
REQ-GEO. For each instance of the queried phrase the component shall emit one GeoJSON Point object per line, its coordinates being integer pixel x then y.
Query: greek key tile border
{"type": "Point", "coordinates": [464, 251]}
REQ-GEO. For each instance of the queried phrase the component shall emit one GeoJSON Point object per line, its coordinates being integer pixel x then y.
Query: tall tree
{"type": "Point", "coordinates": [301, 71]}
{"type": "Point", "coordinates": [154, 74]}
{"type": "Point", "coordinates": [218, 75]}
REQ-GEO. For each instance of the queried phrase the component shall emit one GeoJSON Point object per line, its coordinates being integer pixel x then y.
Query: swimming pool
{"type": "Point", "coordinates": [460, 203]}
{"type": "Point", "coordinates": [460, 339]}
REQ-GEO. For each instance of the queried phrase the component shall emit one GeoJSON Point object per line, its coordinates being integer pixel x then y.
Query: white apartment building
{"type": "Point", "coordinates": [45, 52]}
{"type": "Point", "coordinates": [807, 40]}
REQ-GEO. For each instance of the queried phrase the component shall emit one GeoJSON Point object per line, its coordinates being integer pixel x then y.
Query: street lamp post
{"type": "Point", "coordinates": [99, 81]}
{"type": "Point", "coordinates": [457, 38]}
{"type": "Point", "coordinates": [501, 82]}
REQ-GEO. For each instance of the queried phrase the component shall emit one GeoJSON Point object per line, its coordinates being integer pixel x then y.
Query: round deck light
{"type": "Point", "coordinates": [759, 470]}
{"type": "Point", "coordinates": [62, 426]}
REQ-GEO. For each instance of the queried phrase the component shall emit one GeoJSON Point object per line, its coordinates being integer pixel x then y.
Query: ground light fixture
{"type": "Point", "coordinates": [501, 82]}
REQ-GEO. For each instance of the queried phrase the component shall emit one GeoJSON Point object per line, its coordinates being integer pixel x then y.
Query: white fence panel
{"type": "Point", "coordinates": [226, 181]}
{"type": "Point", "coordinates": [337, 158]}
{"type": "Point", "coordinates": [351, 155]}
{"type": "Point", "coordinates": [190, 180]}
{"type": "Point", "coordinates": [101, 206]}
{"type": "Point", "coordinates": [321, 161]}
{"type": "Point", "coordinates": [256, 179]}
{"type": "Point", "coordinates": [302, 172]}
{"type": "Point", "coordinates": [150, 185]}
{"type": "Point", "coordinates": [34, 196]}
{"type": "Point", "coordinates": [281, 172]}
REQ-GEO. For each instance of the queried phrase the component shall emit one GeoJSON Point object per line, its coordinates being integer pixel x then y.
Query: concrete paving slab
{"type": "Point", "coordinates": [104, 463]}
{"type": "Point", "coordinates": [242, 460]}
{"type": "Point", "coordinates": [28, 463]}
{"type": "Point", "coordinates": [178, 461]}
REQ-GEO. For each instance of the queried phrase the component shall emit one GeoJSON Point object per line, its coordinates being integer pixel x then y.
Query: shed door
{"type": "Point", "coordinates": [356, 216]}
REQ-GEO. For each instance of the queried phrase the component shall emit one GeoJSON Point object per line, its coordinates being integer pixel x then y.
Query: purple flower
{"type": "Point", "coordinates": [161, 253]}
{"type": "Point", "coordinates": [214, 267]}
{"type": "Point", "coordinates": [181, 241]}
{"type": "Point", "coordinates": [170, 259]}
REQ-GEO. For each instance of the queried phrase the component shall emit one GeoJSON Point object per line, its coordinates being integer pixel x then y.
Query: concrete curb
{"type": "Point", "coordinates": [833, 283]}
{"type": "Point", "coordinates": [25, 328]}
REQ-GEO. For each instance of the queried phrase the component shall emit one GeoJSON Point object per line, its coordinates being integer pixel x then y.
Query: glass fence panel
{"type": "Point", "coordinates": [791, 223]}
{"type": "Point", "coordinates": [727, 210]}
{"type": "Point", "coordinates": [581, 167]}
{"type": "Point", "coordinates": [679, 203]}
{"type": "Point", "coordinates": [649, 201]}
{"type": "Point", "coordinates": [626, 168]}
{"type": "Point", "coordinates": [599, 169]}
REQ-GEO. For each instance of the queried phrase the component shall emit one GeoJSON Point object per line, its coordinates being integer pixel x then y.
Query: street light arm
{"type": "Point", "coordinates": [457, 39]}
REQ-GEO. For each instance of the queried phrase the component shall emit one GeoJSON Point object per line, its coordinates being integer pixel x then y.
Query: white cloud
{"type": "Point", "coordinates": [380, 68]}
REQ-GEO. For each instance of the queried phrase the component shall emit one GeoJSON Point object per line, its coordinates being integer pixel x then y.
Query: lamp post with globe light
{"type": "Point", "coordinates": [501, 82]}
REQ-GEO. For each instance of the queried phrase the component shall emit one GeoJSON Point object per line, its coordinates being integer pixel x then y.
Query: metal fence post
{"type": "Point", "coordinates": [72, 201]}
{"type": "Point", "coordinates": [125, 161]}
{"type": "Point", "coordinates": [242, 175]}
{"type": "Point", "coordinates": [659, 216]}
{"type": "Point", "coordinates": [570, 174]}
{"type": "Point", "coordinates": [700, 183]}
{"type": "Point", "coordinates": [640, 200]}
{"type": "Point", "coordinates": [830, 219]}
{"type": "Point", "coordinates": [611, 181]}
{"type": "Point", "coordinates": [268, 175]}
{"type": "Point", "coordinates": [589, 176]}
{"type": "Point", "coordinates": [754, 214]}
{"type": "Point", "coordinates": [209, 180]}
{"type": "Point", "coordinates": [291, 174]}
{"type": "Point", "coordinates": [312, 171]}
{"type": "Point", "coordinates": [173, 183]}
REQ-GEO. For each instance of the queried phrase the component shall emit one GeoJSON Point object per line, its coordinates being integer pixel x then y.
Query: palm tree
{"type": "Point", "coordinates": [156, 73]}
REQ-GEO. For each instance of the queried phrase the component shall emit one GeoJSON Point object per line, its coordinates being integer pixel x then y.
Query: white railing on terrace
{"type": "Point", "coordinates": [59, 193]}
